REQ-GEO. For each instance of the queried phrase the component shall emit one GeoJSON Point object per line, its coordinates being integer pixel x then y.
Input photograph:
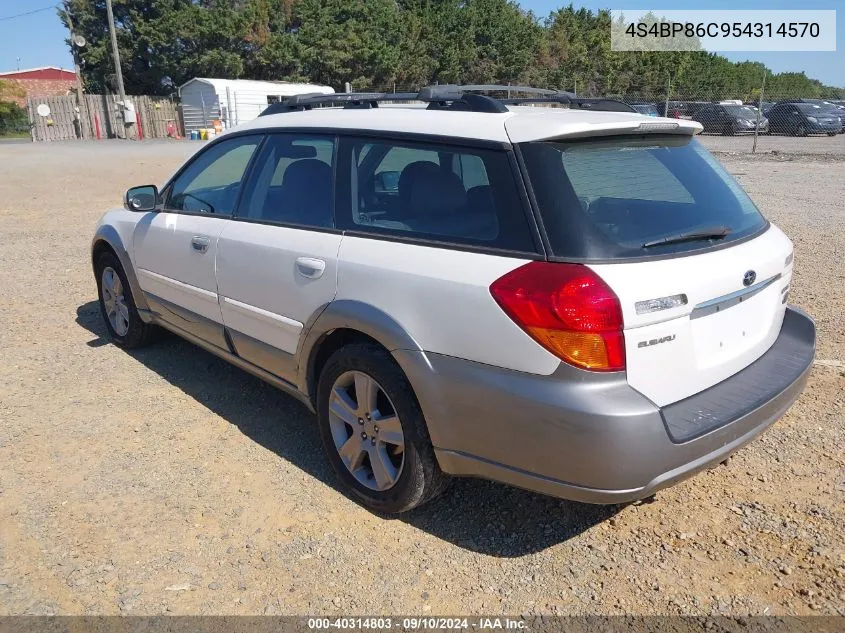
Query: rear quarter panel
{"type": "Point", "coordinates": [441, 298]}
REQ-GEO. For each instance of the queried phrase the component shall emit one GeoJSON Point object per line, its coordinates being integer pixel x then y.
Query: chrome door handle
{"type": "Point", "coordinates": [200, 243]}
{"type": "Point", "coordinates": [310, 267]}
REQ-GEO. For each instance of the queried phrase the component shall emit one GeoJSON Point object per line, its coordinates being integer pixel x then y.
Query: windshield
{"type": "Point", "coordinates": [743, 112]}
{"type": "Point", "coordinates": [606, 199]}
{"type": "Point", "coordinates": [812, 108]}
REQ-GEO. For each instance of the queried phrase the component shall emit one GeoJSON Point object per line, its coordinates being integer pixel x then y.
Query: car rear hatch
{"type": "Point", "coordinates": [691, 322]}
{"type": "Point", "coordinates": [702, 279]}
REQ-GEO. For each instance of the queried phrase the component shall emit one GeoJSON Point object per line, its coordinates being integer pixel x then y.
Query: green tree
{"type": "Point", "coordinates": [13, 118]}
{"type": "Point", "coordinates": [355, 41]}
{"type": "Point", "coordinates": [506, 41]}
{"type": "Point", "coordinates": [374, 44]}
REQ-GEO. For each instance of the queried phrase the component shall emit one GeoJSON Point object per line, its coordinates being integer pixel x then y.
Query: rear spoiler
{"type": "Point", "coordinates": [522, 131]}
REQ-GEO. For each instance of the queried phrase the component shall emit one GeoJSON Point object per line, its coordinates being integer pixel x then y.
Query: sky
{"type": "Point", "coordinates": [38, 39]}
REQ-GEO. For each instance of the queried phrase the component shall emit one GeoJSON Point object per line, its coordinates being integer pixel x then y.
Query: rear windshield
{"type": "Point", "coordinates": [628, 197]}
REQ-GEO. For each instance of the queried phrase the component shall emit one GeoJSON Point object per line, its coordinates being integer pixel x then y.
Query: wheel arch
{"type": "Point", "coordinates": [340, 323]}
{"type": "Point", "coordinates": [107, 239]}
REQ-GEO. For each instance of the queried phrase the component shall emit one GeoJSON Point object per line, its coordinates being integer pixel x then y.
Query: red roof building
{"type": "Point", "coordinates": [47, 81]}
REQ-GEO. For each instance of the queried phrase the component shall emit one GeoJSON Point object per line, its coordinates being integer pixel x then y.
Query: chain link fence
{"type": "Point", "coordinates": [783, 123]}
{"type": "Point", "coordinates": [733, 121]}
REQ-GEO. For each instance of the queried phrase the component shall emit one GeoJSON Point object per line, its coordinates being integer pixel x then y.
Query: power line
{"type": "Point", "coordinates": [20, 15]}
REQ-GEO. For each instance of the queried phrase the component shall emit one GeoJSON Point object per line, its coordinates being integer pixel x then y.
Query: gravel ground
{"type": "Point", "coordinates": [830, 145]}
{"type": "Point", "coordinates": [165, 481]}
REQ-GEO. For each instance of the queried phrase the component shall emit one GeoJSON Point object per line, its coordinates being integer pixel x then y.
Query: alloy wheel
{"type": "Point", "coordinates": [114, 301]}
{"type": "Point", "coordinates": [366, 430]}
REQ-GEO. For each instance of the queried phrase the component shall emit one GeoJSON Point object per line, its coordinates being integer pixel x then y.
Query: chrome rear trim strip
{"type": "Point", "coordinates": [729, 300]}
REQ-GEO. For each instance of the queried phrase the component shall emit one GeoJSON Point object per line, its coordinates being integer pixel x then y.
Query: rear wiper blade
{"type": "Point", "coordinates": [709, 233]}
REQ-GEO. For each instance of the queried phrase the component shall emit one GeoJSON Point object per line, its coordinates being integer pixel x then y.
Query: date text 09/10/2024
{"type": "Point", "coordinates": [417, 623]}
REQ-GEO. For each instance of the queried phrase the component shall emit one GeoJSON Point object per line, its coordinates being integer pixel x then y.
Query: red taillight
{"type": "Point", "coordinates": [568, 309]}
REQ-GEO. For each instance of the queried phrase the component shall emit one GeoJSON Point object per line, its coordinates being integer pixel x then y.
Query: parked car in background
{"type": "Point", "coordinates": [763, 106]}
{"type": "Point", "coordinates": [840, 105]}
{"type": "Point", "coordinates": [685, 109]}
{"type": "Point", "coordinates": [831, 108]}
{"type": "Point", "coordinates": [801, 119]}
{"type": "Point", "coordinates": [648, 109]}
{"type": "Point", "coordinates": [624, 327]}
{"type": "Point", "coordinates": [730, 119]}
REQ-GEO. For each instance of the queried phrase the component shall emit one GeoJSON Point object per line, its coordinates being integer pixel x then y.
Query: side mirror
{"type": "Point", "coordinates": [141, 199]}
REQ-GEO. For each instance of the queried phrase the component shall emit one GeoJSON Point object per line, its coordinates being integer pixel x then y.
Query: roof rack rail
{"type": "Point", "coordinates": [364, 100]}
{"type": "Point", "coordinates": [545, 95]}
{"type": "Point", "coordinates": [504, 88]}
{"type": "Point", "coordinates": [447, 97]}
{"type": "Point", "coordinates": [579, 103]}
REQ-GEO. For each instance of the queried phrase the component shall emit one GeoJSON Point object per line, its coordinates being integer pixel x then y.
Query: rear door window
{"type": "Point", "coordinates": [429, 191]}
{"type": "Point", "coordinates": [619, 197]}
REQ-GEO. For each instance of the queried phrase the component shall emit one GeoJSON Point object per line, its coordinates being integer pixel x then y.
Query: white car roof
{"type": "Point", "coordinates": [520, 124]}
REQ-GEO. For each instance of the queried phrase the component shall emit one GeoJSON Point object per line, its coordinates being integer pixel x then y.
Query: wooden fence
{"type": "Point", "coordinates": [100, 118]}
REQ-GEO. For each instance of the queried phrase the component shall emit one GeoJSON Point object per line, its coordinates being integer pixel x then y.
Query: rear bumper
{"type": "Point", "coordinates": [591, 437]}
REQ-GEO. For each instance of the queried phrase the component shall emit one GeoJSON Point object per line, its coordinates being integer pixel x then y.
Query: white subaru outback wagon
{"type": "Point", "coordinates": [577, 301]}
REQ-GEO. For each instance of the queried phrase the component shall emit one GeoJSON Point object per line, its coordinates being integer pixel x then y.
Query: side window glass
{"type": "Point", "coordinates": [439, 193]}
{"type": "Point", "coordinates": [210, 184]}
{"type": "Point", "coordinates": [292, 182]}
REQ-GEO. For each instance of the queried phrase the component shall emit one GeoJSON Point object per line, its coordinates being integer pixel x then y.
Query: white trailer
{"type": "Point", "coordinates": [234, 101]}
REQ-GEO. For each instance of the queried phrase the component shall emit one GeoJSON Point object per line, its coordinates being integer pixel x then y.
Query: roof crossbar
{"type": "Point", "coordinates": [447, 97]}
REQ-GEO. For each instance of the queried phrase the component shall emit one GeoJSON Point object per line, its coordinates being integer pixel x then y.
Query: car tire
{"type": "Point", "coordinates": [832, 133]}
{"type": "Point", "coordinates": [117, 305]}
{"type": "Point", "coordinates": [801, 130]}
{"type": "Point", "coordinates": [410, 476]}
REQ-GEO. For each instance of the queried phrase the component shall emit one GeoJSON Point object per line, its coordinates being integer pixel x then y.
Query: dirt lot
{"type": "Point", "coordinates": [166, 481]}
{"type": "Point", "coordinates": [829, 145]}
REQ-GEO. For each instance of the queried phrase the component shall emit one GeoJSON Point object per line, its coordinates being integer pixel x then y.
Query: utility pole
{"type": "Point", "coordinates": [759, 112]}
{"type": "Point", "coordinates": [668, 92]}
{"type": "Point", "coordinates": [80, 97]}
{"type": "Point", "coordinates": [118, 72]}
